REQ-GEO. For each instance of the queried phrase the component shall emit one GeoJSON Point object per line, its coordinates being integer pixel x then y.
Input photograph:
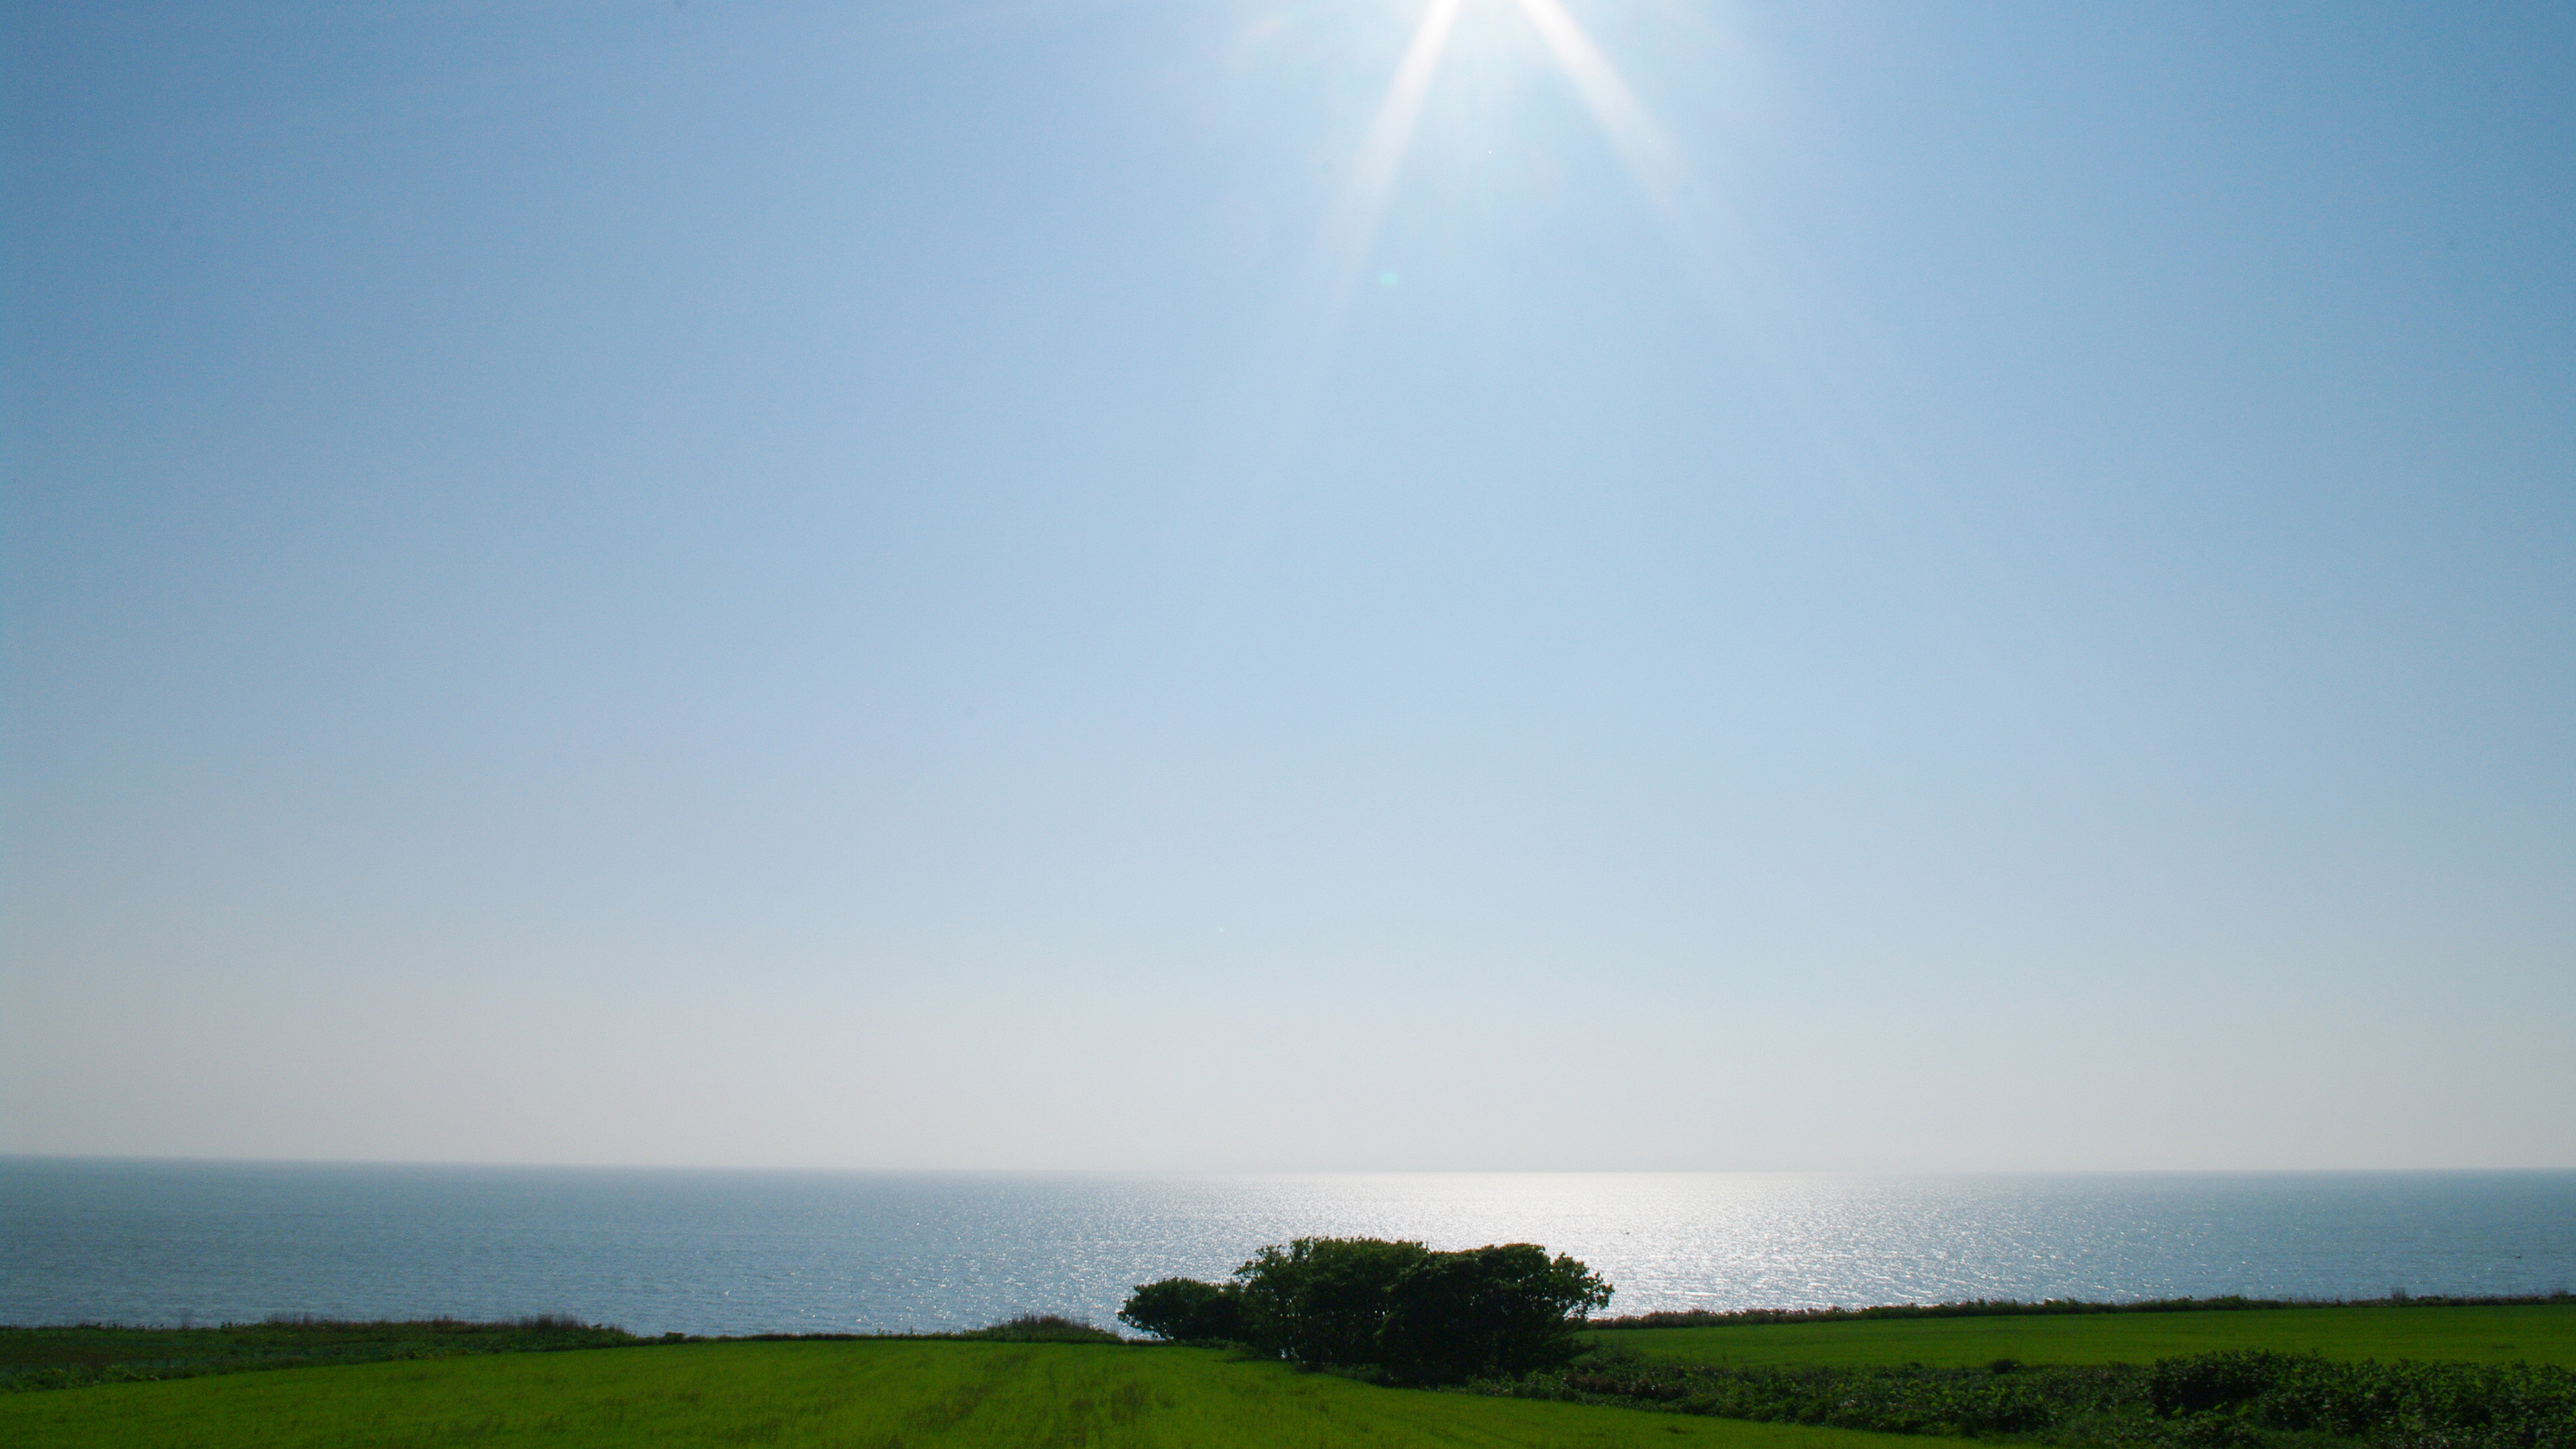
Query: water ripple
{"type": "Point", "coordinates": [740, 1252]}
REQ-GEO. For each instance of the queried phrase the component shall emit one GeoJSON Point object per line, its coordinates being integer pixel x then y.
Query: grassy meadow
{"type": "Point", "coordinates": [86, 1354]}
{"type": "Point", "coordinates": [2056, 1379]}
{"type": "Point", "coordinates": [859, 1394]}
{"type": "Point", "coordinates": [2541, 1333]}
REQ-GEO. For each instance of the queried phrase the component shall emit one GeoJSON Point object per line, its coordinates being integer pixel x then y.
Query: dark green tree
{"type": "Point", "coordinates": [1492, 1312]}
{"type": "Point", "coordinates": [1321, 1301]}
{"type": "Point", "coordinates": [1186, 1309]}
{"type": "Point", "coordinates": [1424, 1317]}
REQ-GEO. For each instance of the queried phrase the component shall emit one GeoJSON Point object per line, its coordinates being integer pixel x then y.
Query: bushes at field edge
{"type": "Point", "coordinates": [1417, 1315]}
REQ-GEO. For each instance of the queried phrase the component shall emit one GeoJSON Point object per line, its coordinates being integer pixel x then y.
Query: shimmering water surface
{"type": "Point", "coordinates": [740, 1252]}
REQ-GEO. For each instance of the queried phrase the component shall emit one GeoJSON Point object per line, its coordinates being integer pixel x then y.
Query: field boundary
{"type": "Point", "coordinates": [2012, 1307]}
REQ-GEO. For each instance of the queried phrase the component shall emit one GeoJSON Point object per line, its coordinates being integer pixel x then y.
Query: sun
{"type": "Point", "coordinates": [1351, 228]}
{"type": "Point", "coordinates": [1340, 268]}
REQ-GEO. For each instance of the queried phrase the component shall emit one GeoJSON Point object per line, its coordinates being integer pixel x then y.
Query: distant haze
{"type": "Point", "coordinates": [1640, 584]}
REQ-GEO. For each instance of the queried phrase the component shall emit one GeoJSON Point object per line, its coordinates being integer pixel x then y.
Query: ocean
{"type": "Point", "coordinates": [718, 1252]}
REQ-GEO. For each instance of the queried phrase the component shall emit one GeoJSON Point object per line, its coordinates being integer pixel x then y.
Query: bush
{"type": "Point", "coordinates": [1422, 1316]}
{"type": "Point", "coordinates": [2177, 1386]}
{"type": "Point", "coordinates": [1187, 1310]}
{"type": "Point", "coordinates": [2233, 1399]}
{"type": "Point", "coordinates": [1042, 1328]}
{"type": "Point", "coordinates": [1487, 1312]}
{"type": "Point", "coordinates": [1321, 1301]}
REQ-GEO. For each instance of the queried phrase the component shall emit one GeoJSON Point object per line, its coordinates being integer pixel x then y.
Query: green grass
{"type": "Point", "coordinates": [856, 1395]}
{"type": "Point", "coordinates": [2533, 1333]}
{"type": "Point", "coordinates": [68, 1357]}
{"type": "Point", "coordinates": [459, 1384]}
{"type": "Point", "coordinates": [2231, 1399]}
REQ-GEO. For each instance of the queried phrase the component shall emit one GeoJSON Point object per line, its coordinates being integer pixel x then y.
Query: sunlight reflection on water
{"type": "Point", "coordinates": [736, 1252]}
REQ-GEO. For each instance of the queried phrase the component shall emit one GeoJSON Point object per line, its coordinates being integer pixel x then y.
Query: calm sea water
{"type": "Point", "coordinates": [741, 1252]}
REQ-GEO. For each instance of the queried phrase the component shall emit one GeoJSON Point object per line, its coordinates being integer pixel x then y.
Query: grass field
{"type": "Point", "coordinates": [896, 1394]}
{"type": "Point", "coordinates": [858, 1395]}
{"type": "Point", "coordinates": [46, 1358]}
{"type": "Point", "coordinates": [2536, 1333]}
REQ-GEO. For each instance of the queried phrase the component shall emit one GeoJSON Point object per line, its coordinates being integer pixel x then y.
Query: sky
{"type": "Point", "coordinates": [1279, 585]}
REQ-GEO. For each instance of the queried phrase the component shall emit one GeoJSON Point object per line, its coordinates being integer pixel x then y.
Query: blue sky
{"type": "Point", "coordinates": [1853, 586]}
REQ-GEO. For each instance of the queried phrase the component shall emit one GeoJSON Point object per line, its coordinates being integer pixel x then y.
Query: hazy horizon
{"type": "Point", "coordinates": [830, 1169]}
{"type": "Point", "coordinates": [1290, 585]}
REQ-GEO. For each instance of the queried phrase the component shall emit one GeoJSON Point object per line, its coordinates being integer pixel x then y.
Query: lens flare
{"type": "Point", "coordinates": [1350, 231]}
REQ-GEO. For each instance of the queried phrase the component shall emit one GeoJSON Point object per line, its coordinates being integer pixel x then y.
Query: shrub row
{"type": "Point", "coordinates": [2014, 1307]}
{"type": "Point", "coordinates": [2237, 1397]}
{"type": "Point", "coordinates": [79, 1355]}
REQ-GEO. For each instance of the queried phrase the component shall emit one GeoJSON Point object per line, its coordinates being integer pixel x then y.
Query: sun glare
{"type": "Point", "coordinates": [1351, 228]}
{"type": "Point", "coordinates": [1343, 265]}
{"type": "Point", "coordinates": [1607, 96]}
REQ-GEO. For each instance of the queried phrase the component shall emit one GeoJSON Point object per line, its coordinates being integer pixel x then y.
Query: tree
{"type": "Point", "coordinates": [1186, 1309]}
{"type": "Point", "coordinates": [1492, 1312]}
{"type": "Point", "coordinates": [1425, 1317]}
{"type": "Point", "coordinates": [1321, 1301]}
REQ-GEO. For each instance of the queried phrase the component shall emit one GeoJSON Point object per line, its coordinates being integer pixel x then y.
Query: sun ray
{"type": "Point", "coordinates": [1350, 229]}
{"type": "Point", "coordinates": [1319, 305]}
{"type": "Point", "coordinates": [1338, 261]}
{"type": "Point", "coordinates": [1717, 248]}
{"type": "Point", "coordinates": [1720, 249]}
{"type": "Point", "coordinates": [1614, 107]}
{"type": "Point", "coordinates": [1722, 256]}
